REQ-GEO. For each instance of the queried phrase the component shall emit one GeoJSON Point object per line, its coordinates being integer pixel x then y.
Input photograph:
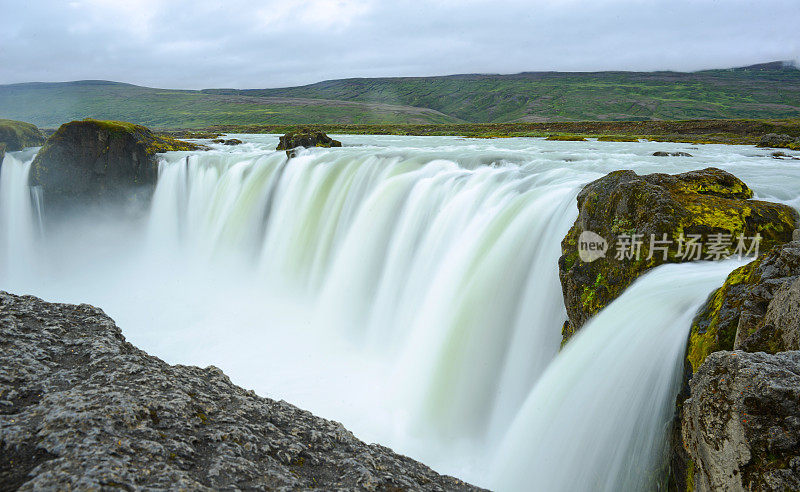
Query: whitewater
{"type": "Point", "coordinates": [404, 286]}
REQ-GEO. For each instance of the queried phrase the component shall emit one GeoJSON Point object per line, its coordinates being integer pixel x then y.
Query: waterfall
{"type": "Point", "coordinates": [20, 221]}
{"type": "Point", "coordinates": [434, 265]}
{"type": "Point", "coordinates": [407, 287]}
{"type": "Point", "coordinates": [597, 418]}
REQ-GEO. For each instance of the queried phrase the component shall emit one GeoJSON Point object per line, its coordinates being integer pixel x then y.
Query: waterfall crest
{"type": "Point", "coordinates": [407, 287]}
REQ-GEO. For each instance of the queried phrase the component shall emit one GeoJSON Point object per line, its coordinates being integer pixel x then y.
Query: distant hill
{"type": "Point", "coordinates": [763, 91]}
{"type": "Point", "coordinates": [48, 105]}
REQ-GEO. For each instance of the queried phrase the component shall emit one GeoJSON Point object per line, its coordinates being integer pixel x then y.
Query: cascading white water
{"type": "Point", "coordinates": [407, 287]}
{"type": "Point", "coordinates": [19, 224]}
{"type": "Point", "coordinates": [598, 417]}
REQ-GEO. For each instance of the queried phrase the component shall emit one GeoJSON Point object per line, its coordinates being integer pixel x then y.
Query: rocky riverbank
{"type": "Point", "coordinates": [81, 408]}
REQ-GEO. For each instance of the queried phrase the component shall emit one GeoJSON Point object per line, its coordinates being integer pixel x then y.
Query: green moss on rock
{"type": "Point", "coordinates": [91, 160]}
{"type": "Point", "coordinates": [617, 138]}
{"type": "Point", "coordinates": [306, 137]}
{"type": "Point", "coordinates": [17, 135]}
{"type": "Point", "coordinates": [736, 316]}
{"type": "Point", "coordinates": [566, 138]}
{"type": "Point", "coordinates": [710, 203]}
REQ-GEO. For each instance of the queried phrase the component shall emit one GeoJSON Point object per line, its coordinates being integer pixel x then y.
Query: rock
{"type": "Point", "coordinates": [710, 203]}
{"type": "Point", "coordinates": [305, 138]}
{"type": "Point", "coordinates": [17, 135]}
{"type": "Point", "coordinates": [94, 161]}
{"type": "Point", "coordinates": [82, 409]}
{"type": "Point", "coordinates": [2, 151]}
{"type": "Point", "coordinates": [741, 426]}
{"type": "Point", "coordinates": [783, 155]}
{"type": "Point", "coordinates": [754, 310]}
{"type": "Point", "coordinates": [566, 138]}
{"type": "Point", "coordinates": [231, 141]}
{"type": "Point", "coordinates": [661, 153]}
{"type": "Point", "coordinates": [778, 141]}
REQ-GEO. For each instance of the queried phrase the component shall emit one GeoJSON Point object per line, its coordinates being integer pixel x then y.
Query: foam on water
{"type": "Point", "coordinates": [405, 286]}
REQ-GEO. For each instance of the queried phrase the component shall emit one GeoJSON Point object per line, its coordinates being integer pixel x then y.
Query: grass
{"type": "Point", "coordinates": [554, 96]}
{"type": "Point", "coordinates": [692, 131]}
{"type": "Point", "coordinates": [50, 105]}
{"type": "Point", "coordinates": [498, 99]}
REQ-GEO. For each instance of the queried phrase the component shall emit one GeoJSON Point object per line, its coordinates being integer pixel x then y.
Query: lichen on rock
{"type": "Point", "coordinates": [91, 161]}
{"type": "Point", "coordinates": [706, 204]}
{"type": "Point", "coordinates": [780, 141]}
{"type": "Point", "coordinates": [756, 309]}
{"type": "Point", "coordinates": [305, 137]}
{"type": "Point", "coordinates": [741, 426]}
{"type": "Point", "coordinates": [17, 135]}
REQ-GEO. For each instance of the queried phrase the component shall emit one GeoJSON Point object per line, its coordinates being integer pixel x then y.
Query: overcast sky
{"type": "Point", "coordinates": [256, 44]}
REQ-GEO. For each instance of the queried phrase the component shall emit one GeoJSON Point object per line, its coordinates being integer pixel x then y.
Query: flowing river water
{"type": "Point", "coordinates": [405, 286]}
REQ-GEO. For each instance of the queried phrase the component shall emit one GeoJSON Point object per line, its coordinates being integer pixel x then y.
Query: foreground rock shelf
{"type": "Point", "coordinates": [81, 408]}
{"type": "Point", "coordinates": [741, 427]}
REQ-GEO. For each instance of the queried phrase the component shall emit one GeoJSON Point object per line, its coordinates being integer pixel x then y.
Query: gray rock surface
{"type": "Point", "coordinates": [662, 153]}
{"type": "Point", "coordinates": [100, 162]}
{"type": "Point", "coordinates": [783, 315]}
{"type": "Point", "coordinates": [80, 408]}
{"type": "Point", "coordinates": [305, 138]}
{"type": "Point", "coordinates": [741, 426]}
{"type": "Point", "coordinates": [776, 140]}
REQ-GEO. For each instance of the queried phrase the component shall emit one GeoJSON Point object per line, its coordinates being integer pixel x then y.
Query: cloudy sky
{"type": "Point", "coordinates": [255, 44]}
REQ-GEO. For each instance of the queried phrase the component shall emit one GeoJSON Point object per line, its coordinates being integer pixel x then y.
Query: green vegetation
{"type": "Point", "coordinates": [708, 333]}
{"type": "Point", "coordinates": [693, 131]}
{"type": "Point", "coordinates": [50, 105]}
{"type": "Point", "coordinates": [567, 138]}
{"type": "Point", "coordinates": [16, 135]}
{"type": "Point", "coordinates": [499, 99]}
{"type": "Point", "coordinates": [558, 96]}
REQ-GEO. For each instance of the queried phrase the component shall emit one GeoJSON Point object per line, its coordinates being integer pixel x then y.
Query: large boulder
{"type": "Point", "coordinates": [17, 135]}
{"type": "Point", "coordinates": [92, 161]}
{"type": "Point", "coordinates": [702, 215]}
{"type": "Point", "coordinates": [741, 426]}
{"type": "Point", "coordinates": [305, 138]}
{"type": "Point", "coordinates": [756, 309]}
{"type": "Point", "coordinates": [82, 409]}
{"type": "Point", "coordinates": [780, 141]}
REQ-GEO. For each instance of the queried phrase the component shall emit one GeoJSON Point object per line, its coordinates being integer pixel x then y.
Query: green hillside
{"type": "Point", "coordinates": [48, 105]}
{"type": "Point", "coordinates": [766, 91]}
{"type": "Point", "coordinates": [770, 91]}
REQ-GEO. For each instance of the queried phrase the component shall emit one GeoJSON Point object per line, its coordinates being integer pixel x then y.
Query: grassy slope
{"type": "Point", "coordinates": [49, 105]}
{"type": "Point", "coordinates": [554, 96]}
{"type": "Point", "coordinates": [695, 131]}
{"type": "Point", "coordinates": [527, 97]}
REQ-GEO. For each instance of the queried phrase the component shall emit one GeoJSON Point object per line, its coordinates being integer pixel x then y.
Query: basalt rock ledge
{"type": "Point", "coordinates": [82, 409]}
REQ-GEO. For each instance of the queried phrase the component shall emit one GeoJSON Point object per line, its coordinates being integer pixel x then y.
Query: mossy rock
{"type": "Point", "coordinates": [745, 313]}
{"type": "Point", "coordinates": [566, 138]}
{"type": "Point", "coordinates": [306, 138]}
{"type": "Point", "coordinates": [776, 140]}
{"type": "Point", "coordinates": [93, 160]}
{"type": "Point", "coordinates": [617, 138]}
{"type": "Point", "coordinates": [710, 203]}
{"type": "Point", "coordinates": [17, 135]}
{"type": "Point", "coordinates": [2, 151]}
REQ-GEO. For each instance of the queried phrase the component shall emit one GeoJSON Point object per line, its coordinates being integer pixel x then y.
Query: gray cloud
{"type": "Point", "coordinates": [243, 43]}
